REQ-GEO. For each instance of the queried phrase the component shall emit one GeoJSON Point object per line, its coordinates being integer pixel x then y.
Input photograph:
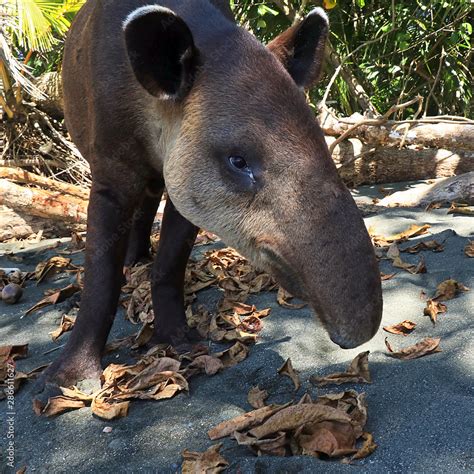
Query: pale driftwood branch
{"type": "Point", "coordinates": [359, 163]}
{"type": "Point", "coordinates": [42, 203]}
{"type": "Point", "coordinates": [378, 121]}
{"type": "Point", "coordinates": [21, 176]}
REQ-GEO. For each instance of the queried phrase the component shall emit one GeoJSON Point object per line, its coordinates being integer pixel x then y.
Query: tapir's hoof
{"type": "Point", "coordinates": [65, 372]}
{"type": "Point", "coordinates": [181, 339]}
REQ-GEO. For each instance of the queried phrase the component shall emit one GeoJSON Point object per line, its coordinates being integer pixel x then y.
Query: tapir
{"type": "Point", "coordinates": [175, 95]}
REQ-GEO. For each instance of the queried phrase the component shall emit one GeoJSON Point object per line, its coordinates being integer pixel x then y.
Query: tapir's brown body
{"type": "Point", "coordinates": [175, 94]}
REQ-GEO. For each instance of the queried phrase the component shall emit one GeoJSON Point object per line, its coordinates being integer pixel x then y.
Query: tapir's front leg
{"type": "Point", "coordinates": [176, 242]}
{"type": "Point", "coordinates": [109, 221]}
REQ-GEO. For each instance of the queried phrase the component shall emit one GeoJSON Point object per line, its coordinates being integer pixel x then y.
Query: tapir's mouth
{"type": "Point", "coordinates": [284, 273]}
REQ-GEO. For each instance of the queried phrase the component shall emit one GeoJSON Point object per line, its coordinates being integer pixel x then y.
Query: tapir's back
{"type": "Point", "coordinates": [103, 101]}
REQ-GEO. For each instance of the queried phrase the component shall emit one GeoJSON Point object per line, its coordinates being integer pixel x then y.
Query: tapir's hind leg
{"type": "Point", "coordinates": [176, 242]}
{"type": "Point", "coordinates": [110, 214]}
{"type": "Point", "coordinates": [143, 217]}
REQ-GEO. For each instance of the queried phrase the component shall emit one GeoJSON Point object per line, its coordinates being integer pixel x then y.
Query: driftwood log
{"type": "Point", "coordinates": [42, 203]}
{"type": "Point", "coordinates": [19, 175]}
{"type": "Point", "coordinates": [360, 163]}
{"type": "Point", "coordinates": [459, 189]}
{"type": "Point", "coordinates": [17, 225]}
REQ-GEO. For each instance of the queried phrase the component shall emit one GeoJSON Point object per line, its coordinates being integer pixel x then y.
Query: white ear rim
{"type": "Point", "coordinates": [142, 11]}
{"type": "Point", "coordinates": [318, 11]}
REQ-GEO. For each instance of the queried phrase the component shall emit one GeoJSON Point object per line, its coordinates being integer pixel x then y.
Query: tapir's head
{"type": "Point", "coordinates": [249, 162]}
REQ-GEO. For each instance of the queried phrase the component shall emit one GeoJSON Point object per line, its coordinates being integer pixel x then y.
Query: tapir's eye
{"type": "Point", "coordinates": [240, 168]}
{"type": "Point", "coordinates": [238, 162]}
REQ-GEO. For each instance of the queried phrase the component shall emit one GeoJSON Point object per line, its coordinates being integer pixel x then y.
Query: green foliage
{"type": "Point", "coordinates": [395, 49]}
{"type": "Point", "coordinates": [37, 24]}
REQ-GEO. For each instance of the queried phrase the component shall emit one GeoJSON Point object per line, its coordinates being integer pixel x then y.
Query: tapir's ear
{"type": "Point", "coordinates": [161, 50]}
{"type": "Point", "coordinates": [301, 48]}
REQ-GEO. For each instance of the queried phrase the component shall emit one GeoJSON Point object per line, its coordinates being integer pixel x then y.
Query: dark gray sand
{"type": "Point", "coordinates": [421, 412]}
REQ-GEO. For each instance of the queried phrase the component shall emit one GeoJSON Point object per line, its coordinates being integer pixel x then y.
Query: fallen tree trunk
{"type": "Point", "coordinates": [16, 225]}
{"type": "Point", "coordinates": [444, 134]}
{"type": "Point", "coordinates": [42, 203]}
{"type": "Point", "coordinates": [459, 189]}
{"type": "Point", "coordinates": [19, 175]}
{"type": "Point", "coordinates": [360, 163]}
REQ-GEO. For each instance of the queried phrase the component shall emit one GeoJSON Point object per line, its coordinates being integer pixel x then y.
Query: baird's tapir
{"type": "Point", "coordinates": [173, 94]}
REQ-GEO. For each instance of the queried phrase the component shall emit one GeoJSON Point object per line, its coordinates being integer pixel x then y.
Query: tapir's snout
{"type": "Point", "coordinates": [327, 259]}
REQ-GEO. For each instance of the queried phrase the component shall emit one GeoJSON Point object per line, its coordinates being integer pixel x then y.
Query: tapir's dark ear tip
{"type": "Point", "coordinates": [144, 11]}
{"type": "Point", "coordinates": [318, 14]}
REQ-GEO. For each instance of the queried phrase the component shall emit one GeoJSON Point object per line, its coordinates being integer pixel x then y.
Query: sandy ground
{"type": "Point", "coordinates": [421, 412]}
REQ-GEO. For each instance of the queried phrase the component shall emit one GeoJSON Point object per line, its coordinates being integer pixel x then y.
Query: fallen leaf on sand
{"type": "Point", "coordinates": [294, 416]}
{"type": "Point", "coordinates": [8, 354]}
{"type": "Point", "coordinates": [432, 245]}
{"type": "Point", "coordinates": [367, 448]}
{"type": "Point", "coordinates": [393, 251]}
{"type": "Point", "coordinates": [288, 370]}
{"type": "Point", "coordinates": [256, 397]}
{"type": "Point", "coordinates": [208, 364]}
{"type": "Point", "coordinates": [57, 405]}
{"type": "Point", "coordinates": [469, 249]}
{"type": "Point", "coordinates": [58, 296]}
{"type": "Point", "coordinates": [412, 231]}
{"type": "Point", "coordinates": [208, 462]}
{"type": "Point", "coordinates": [329, 426]}
{"type": "Point", "coordinates": [283, 298]}
{"type": "Point", "coordinates": [404, 328]}
{"type": "Point", "coordinates": [52, 266]}
{"type": "Point", "coordinates": [425, 347]}
{"type": "Point", "coordinates": [433, 308]}
{"type": "Point", "coordinates": [448, 289]}
{"type": "Point", "coordinates": [243, 422]}
{"type": "Point", "coordinates": [109, 411]}
{"type": "Point", "coordinates": [460, 209]}
{"type": "Point", "coordinates": [388, 276]}
{"type": "Point", "coordinates": [67, 323]}
{"type": "Point", "coordinates": [357, 372]}
{"type": "Point", "coordinates": [420, 267]}
{"type": "Point", "coordinates": [232, 356]}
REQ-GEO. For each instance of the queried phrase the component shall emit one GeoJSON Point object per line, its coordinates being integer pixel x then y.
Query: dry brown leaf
{"type": "Point", "coordinates": [367, 448]}
{"type": "Point", "coordinates": [460, 209]}
{"type": "Point", "coordinates": [393, 251]}
{"type": "Point", "coordinates": [58, 296]}
{"type": "Point", "coordinates": [433, 308]}
{"type": "Point", "coordinates": [448, 289]}
{"type": "Point", "coordinates": [404, 328]}
{"type": "Point", "coordinates": [109, 411]}
{"type": "Point", "coordinates": [469, 249]}
{"type": "Point", "coordinates": [351, 403]}
{"type": "Point", "coordinates": [9, 354]}
{"type": "Point", "coordinates": [57, 405]}
{"type": "Point", "coordinates": [357, 372]}
{"type": "Point", "coordinates": [432, 245]}
{"type": "Point", "coordinates": [52, 266]}
{"type": "Point", "coordinates": [294, 416]}
{"type": "Point", "coordinates": [243, 422]}
{"type": "Point", "coordinates": [277, 445]}
{"type": "Point", "coordinates": [420, 267]}
{"type": "Point", "coordinates": [208, 364]}
{"type": "Point", "coordinates": [388, 276]}
{"type": "Point", "coordinates": [232, 356]}
{"type": "Point", "coordinates": [208, 462]}
{"type": "Point", "coordinates": [283, 299]}
{"type": "Point", "coordinates": [256, 397]}
{"type": "Point", "coordinates": [67, 323]}
{"type": "Point", "coordinates": [331, 438]}
{"type": "Point", "coordinates": [412, 231]}
{"type": "Point", "coordinates": [425, 347]}
{"type": "Point", "coordinates": [288, 370]}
